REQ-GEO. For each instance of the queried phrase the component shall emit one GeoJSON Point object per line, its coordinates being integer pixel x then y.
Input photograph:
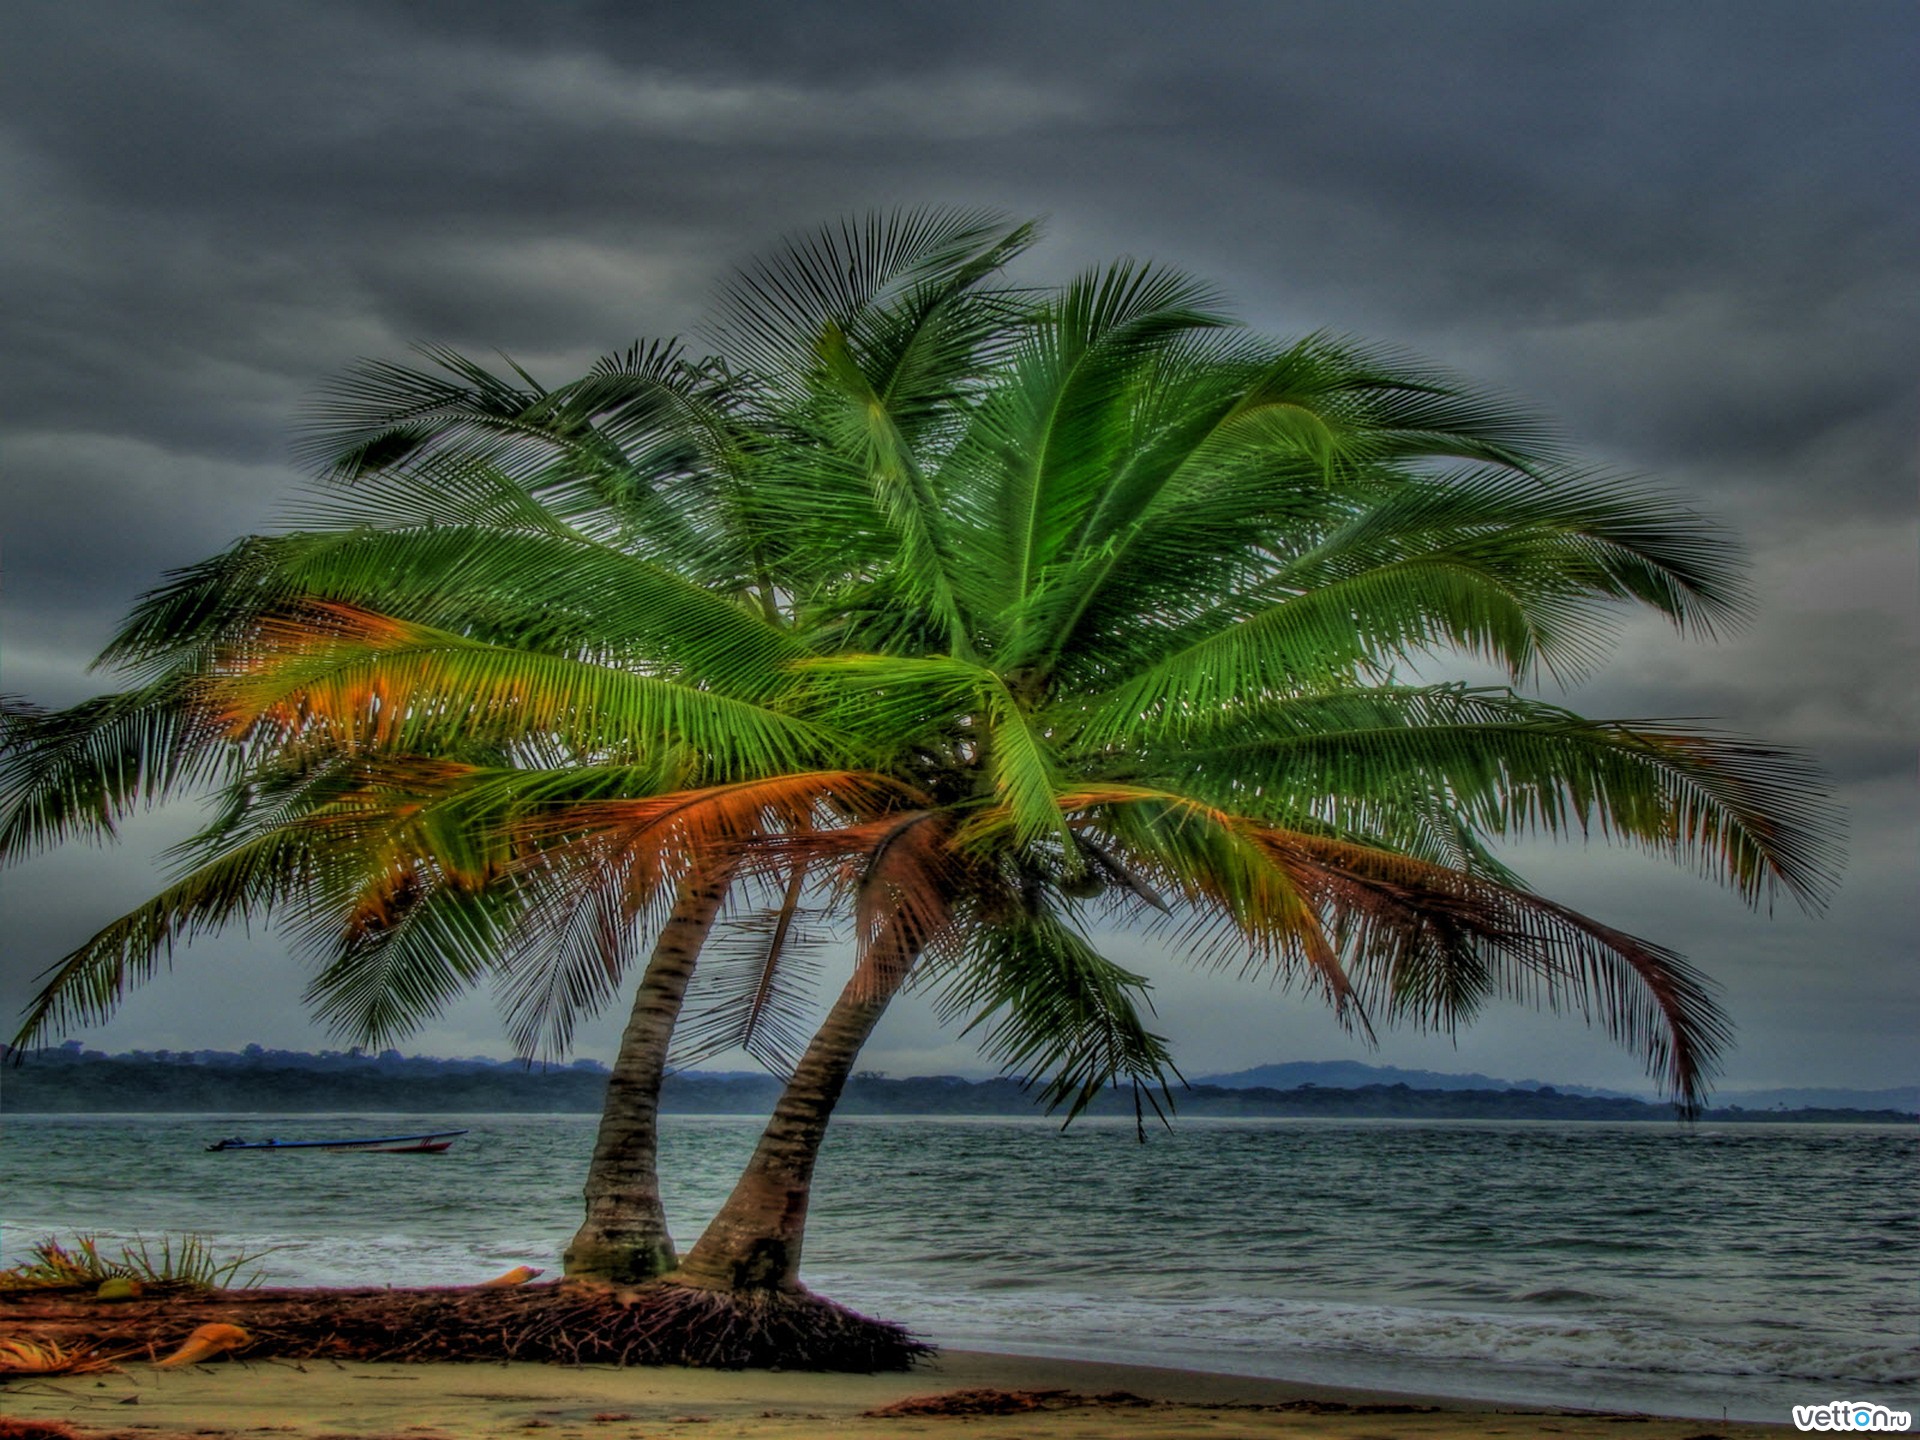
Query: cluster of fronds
{"type": "Point", "coordinates": [183, 1262]}
{"type": "Point", "coordinates": [949, 607]}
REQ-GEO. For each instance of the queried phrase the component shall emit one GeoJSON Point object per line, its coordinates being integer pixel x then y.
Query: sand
{"type": "Point", "coordinates": [308, 1400]}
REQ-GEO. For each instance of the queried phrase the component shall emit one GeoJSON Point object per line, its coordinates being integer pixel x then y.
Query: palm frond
{"type": "Point", "coordinates": [755, 985]}
{"type": "Point", "coordinates": [1751, 816]}
{"type": "Point", "coordinates": [907, 876]}
{"type": "Point", "coordinates": [412, 943]}
{"type": "Point", "coordinates": [74, 773]}
{"type": "Point", "coordinates": [1430, 945]}
{"type": "Point", "coordinates": [557, 967]}
{"type": "Point", "coordinates": [773, 311]}
{"type": "Point", "coordinates": [1233, 906]}
{"type": "Point", "coordinates": [344, 676]}
{"type": "Point", "coordinates": [251, 882]}
{"type": "Point", "coordinates": [1056, 1013]}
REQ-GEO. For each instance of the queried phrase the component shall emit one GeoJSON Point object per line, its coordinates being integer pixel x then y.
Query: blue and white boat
{"type": "Point", "coordinates": [429, 1144]}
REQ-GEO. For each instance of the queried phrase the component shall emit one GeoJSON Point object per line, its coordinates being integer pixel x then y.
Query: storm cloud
{"type": "Point", "coordinates": [1684, 232]}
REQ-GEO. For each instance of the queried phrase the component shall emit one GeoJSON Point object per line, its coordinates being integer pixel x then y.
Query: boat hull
{"type": "Point", "coordinates": [433, 1143]}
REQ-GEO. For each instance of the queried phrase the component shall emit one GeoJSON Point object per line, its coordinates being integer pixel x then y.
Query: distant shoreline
{"type": "Point", "coordinates": [63, 1083]}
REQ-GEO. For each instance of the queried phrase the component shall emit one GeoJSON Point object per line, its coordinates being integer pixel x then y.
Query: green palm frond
{"type": "Point", "coordinates": [1025, 777]}
{"type": "Point", "coordinates": [865, 430]}
{"type": "Point", "coordinates": [380, 415]}
{"type": "Point", "coordinates": [251, 882]}
{"type": "Point", "coordinates": [1055, 426]}
{"type": "Point", "coordinates": [607, 446]}
{"type": "Point", "coordinates": [74, 773]}
{"type": "Point", "coordinates": [1749, 815]}
{"type": "Point", "coordinates": [568, 955]}
{"type": "Point", "coordinates": [560, 592]}
{"type": "Point", "coordinates": [341, 676]}
{"type": "Point", "coordinates": [1523, 571]}
{"type": "Point", "coordinates": [1056, 1013]}
{"type": "Point", "coordinates": [773, 312]}
{"type": "Point", "coordinates": [754, 988]}
{"type": "Point", "coordinates": [403, 953]}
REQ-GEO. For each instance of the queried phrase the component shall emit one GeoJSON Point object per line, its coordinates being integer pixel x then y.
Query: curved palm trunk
{"type": "Point", "coordinates": [624, 1238]}
{"type": "Point", "coordinates": [753, 1244]}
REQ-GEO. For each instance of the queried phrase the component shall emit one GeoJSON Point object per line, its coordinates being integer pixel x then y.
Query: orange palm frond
{"type": "Point", "coordinates": [1434, 941]}
{"type": "Point", "coordinates": [642, 846]}
{"type": "Point", "coordinates": [904, 898]}
{"type": "Point", "coordinates": [1233, 897]}
{"type": "Point", "coordinates": [21, 1358]}
{"type": "Point", "coordinates": [388, 894]}
{"type": "Point", "coordinates": [332, 675]}
{"type": "Point", "coordinates": [716, 817]}
{"type": "Point", "coordinates": [248, 696]}
{"type": "Point", "coordinates": [905, 875]}
{"type": "Point", "coordinates": [1094, 797]}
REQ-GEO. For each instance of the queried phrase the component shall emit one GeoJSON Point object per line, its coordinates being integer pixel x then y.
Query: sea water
{"type": "Point", "coordinates": [1718, 1269]}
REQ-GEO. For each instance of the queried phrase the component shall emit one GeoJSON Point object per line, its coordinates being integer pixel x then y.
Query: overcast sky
{"type": "Point", "coordinates": [1685, 231]}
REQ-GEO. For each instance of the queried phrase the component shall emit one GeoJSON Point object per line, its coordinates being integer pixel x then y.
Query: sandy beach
{"type": "Point", "coordinates": [311, 1399]}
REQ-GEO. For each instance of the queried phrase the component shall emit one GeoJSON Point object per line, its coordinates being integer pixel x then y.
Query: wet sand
{"type": "Point", "coordinates": [309, 1400]}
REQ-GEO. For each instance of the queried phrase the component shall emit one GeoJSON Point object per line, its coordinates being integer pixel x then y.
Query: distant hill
{"type": "Point", "coordinates": [1352, 1074]}
{"type": "Point", "coordinates": [68, 1080]}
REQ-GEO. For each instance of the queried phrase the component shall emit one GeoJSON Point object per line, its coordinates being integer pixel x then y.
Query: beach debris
{"type": "Point", "coordinates": [539, 1322]}
{"type": "Point", "coordinates": [204, 1343]}
{"type": "Point", "coordinates": [519, 1275]}
{"type": "Point", "coordinates": [41, 1358]}
{"type": "Point", "coordinates": [989, 1401]}
{"type": "Point", "coordinates": [55, 1267]}
{"type": "Point", "coordinates": [1325, 1407]}
{"type": "Point", "coordinates": [14, 1427]}
{"type": "Point", "coordinates": [979, 1402]}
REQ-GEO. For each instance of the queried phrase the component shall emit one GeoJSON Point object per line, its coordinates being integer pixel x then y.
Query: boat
{"type": "Point", "coordinates": [431, 1143]}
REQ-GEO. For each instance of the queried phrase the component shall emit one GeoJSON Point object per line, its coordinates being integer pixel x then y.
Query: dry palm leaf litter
{"type": "Point", "coordinates": [658, 1324]}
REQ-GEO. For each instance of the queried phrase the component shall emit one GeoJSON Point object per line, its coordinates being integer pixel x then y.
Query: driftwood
{"type": "Point", "coordinates": [555, 1323]}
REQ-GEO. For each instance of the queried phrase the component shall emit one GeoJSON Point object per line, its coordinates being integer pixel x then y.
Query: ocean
{"type": "Point", "coordinates": [1735, 1270]}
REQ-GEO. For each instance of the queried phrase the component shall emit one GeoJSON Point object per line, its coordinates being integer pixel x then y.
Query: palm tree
{"type": "Point", "coordinates": [466, 514]}
{"type": "Point", "coordinates": [1127, 620]}
{"type": "Point", "coordinates": [991, 617]}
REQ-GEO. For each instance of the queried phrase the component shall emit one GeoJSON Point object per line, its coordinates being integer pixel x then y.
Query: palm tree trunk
{"type": "Point", "coordinates": [624, 1238]}
{"type": "Point", "coordinates": [753, 1244]}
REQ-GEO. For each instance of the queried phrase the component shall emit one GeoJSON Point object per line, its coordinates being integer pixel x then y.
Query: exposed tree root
{"type": "Point", "coordinates": [560, 1324]}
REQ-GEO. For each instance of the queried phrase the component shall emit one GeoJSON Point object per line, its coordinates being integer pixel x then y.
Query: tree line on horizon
{"type": "Point", "coordinates": [293, 1083]}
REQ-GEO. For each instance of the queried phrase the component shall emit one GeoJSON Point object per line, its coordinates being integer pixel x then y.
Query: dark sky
{"type": "Point", "coordinates": [1687, 232]}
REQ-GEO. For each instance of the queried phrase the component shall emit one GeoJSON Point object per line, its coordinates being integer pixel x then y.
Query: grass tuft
{"type": "Point", "coordinates": [181, 1262]}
